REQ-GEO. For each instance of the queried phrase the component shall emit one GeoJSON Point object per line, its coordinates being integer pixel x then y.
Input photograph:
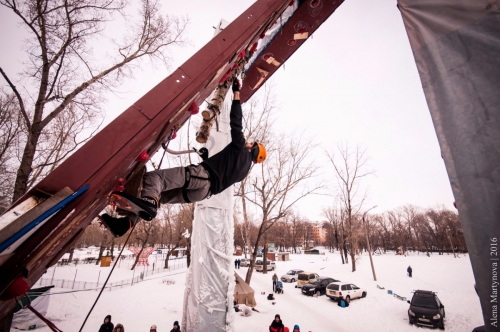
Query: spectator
{"type": "Point", "coordinates": [409, 270]}
{"type": "Point", "coordinates": [296, 328]}
{"type": "Point", "coordinates": [107, 326]}
{"type": "Point", "coordinates": [152, 328]}
{"type": "Point", "coordinates": [277, 325]}
{"type": "Point", "coordinates": [275, 278]}
{"type": "Point", "coordinates": [343, 303]}
{"type": "Point", "coordinates": [176, 328]}
{"type": "Point", "coordinates": [239, 263]}
{"type": "Point", "coordinates": [119, 328]}
{"type": "Point", "coordinates": [236, 306]}
{"type": "Point", "coordinates": [236, 263]}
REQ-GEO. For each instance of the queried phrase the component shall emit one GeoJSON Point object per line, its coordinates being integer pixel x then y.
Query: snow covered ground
{"type": "Point", "coordinates": [155, 302]}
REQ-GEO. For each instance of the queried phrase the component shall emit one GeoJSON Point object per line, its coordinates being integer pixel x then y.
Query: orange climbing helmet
{"type": "Point", "coordinates": [259, 153]}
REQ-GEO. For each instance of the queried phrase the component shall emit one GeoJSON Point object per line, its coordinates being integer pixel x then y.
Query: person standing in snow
{"type": "Point", "coordinates": [236, 263]}
{"type": "Point", "coordinates": [277, 325]}
{"type": "Point", "coordinates": [176, 328]}
{"type": "Point", "coordinates": [107, 326]}
{"type": "Point", "coordinates": [119, 328]}
{"type": "Point", "coordinates": [275, 279]}
{"type": "Point", "coordinates": [409, 270]}
{"type": "Point", "coordinates": [239, 263]}
{"type": "Point", "coordinates": [152, 328]}
{"type": "Point", "coordinates": [296, 328]}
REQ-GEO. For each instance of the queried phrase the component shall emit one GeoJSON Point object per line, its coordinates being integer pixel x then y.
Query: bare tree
{"type": "Point", "coordinates": [11, 126]}
{"type": "Point", "coordinates": [350, 167]}
{"type": "Point", "coordinates": [61, 68]}
{"type": "Point", "coordinates": [276, 187]}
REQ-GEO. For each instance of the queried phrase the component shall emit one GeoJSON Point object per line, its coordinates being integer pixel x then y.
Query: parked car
{"type": "Point", "coordinates": [426, 309]}
{"type": "Point", "coordinates": [305, 278]}
{"type": "Point", "coordinates": [245, 262]}
{"type": "Point", "coordinates": [344, 290]}
{"type": "Point", "coordinates": [317, 287]}
{"type": "Point", "coordinates": [291, 276]}
{"type": "Point", "coordinates": [259, 265]}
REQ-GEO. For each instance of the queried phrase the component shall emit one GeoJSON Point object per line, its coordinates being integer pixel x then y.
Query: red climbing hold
{"type": "Point", "coordinates": [291, 3]}
{"type": "Point", "coordinates": [193, 109]}
{"type": "Point", "coordinates": [302, 31]}
{"type": "Point", "coordinates": [262, 35]}
{"type": "Point", "coordinates": [17, 288]}
{"type": "Point", "coordinates": [120, 185]}
{"type": "Point", "coordinates": [291, 42]}
{"type": "Point", "coordinates": [143, 156]}
{"type": "Point", "coordinates": [242, 54]}
{"type": "Point", "coordinates": [174, 134]}
{"type": "Point", "coordinates": [254, 47]}
{"type": "Point", "coordinates": [225, 77]}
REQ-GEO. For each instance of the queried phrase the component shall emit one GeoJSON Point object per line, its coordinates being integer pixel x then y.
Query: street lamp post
{"type": "Point", "coordinates": [368, 243]}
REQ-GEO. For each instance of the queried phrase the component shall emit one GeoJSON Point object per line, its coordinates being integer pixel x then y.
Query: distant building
{"type": "Point", "coordinates": [320, 231]}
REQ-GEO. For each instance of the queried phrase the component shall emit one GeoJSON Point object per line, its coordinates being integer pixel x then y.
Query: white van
{"type": "Point", "coordinates": [259, 265]}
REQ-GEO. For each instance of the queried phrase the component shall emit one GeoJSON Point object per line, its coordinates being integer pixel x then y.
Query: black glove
{"type": "Point", "coordinates": [236, 85]}
{"type": "Point", "coordinates": [203, 152]}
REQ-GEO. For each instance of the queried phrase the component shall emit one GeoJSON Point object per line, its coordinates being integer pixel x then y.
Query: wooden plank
{"type": "Point", "coordinates": [7, 227]}
{"type": "Point", "coordinates": [28, 216]}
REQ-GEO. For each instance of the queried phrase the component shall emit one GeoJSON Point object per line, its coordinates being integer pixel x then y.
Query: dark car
{"type": "Point", "coordinates": [317, 287]}
{"type": "Point", "coordinates": [426, 309]}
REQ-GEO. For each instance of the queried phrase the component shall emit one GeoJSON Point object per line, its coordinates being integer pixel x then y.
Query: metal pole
{"type": "Point", "coordinates": [98, 277]}
{"type": "Point", "coordinates": [53, 272]}
{"type": "Point", "coordinates": [72, 287]}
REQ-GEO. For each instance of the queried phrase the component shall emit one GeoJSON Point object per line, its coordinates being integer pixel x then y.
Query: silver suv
{"type": "Point", "coordinates": [291, 276]}
{"type": "Point", "coordinates": [259, 265]}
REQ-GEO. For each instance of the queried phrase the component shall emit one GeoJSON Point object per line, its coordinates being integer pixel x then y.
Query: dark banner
{"type": "Point", "coordinates": [456, 45]}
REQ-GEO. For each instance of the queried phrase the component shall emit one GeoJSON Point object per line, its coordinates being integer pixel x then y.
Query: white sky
{"type": "Point", "coordinates": [354, 81]}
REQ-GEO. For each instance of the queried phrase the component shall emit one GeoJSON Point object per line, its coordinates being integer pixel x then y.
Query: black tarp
{"type": "Point", "coordinates": [456, 45]}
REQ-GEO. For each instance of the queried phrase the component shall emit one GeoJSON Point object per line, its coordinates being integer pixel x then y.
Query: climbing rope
{"type": "Point", "coordinates": [104, 286]}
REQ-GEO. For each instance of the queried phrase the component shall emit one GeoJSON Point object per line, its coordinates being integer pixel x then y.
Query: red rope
{"type": "Point", "coordinates": [45, 320]}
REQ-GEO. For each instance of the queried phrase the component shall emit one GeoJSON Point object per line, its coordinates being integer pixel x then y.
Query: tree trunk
{"type": "Point", "coordinates": [167, 258]}
{"type": "Point", "coordinates": [264, 258]}
{"type": "Point", "coordinates": [248, 277]}
{"type": "Point", "coordinates": [24, 170]}
{"type": "Point", "coordinates": [101, 249]}
{"type": "Point", "coordinates": [71, 252]}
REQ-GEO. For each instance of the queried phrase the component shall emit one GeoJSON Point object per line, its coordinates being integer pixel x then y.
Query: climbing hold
{"type": "Point", "coordinates": [143, 156]}
{"type": "Point", "coordinates": [225, 77]}
{"type": "Point", "coordinates": [17, 288]}
{"type": "Point", "coordinates": [262, 35]}
{"type": "Point", "coordinates": [292, 42]}
{"type": "Point", "coordinates": [193, 109]}
{"type": "Point", "coordinates": [291, 3]}
{"type": "Point", "coordinates": [254, 47]}
{"type": "Point", "coordinates": [242, 54]}
{"type": "Point", "coordinates": [120, 185]}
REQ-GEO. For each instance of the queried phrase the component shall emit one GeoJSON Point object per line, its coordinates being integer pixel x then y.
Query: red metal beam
{"type": "Point", "coordinates": [307, 18]}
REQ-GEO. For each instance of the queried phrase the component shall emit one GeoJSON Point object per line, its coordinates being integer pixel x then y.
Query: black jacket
{"type": "Point", "coordinates": [178, 330]}
{"type": "Point", "coordinates": [277, 326]}
{"type": "Point", "coordinates": [107, 327]}
{"type": "Point", "coordinates": [233, 163]}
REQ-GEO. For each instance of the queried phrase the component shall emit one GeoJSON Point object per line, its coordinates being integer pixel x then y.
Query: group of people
{"type": "Point", "coordinates": [108, 326]}
{"type": "Point", "coordinates": [278, 326]}
{"type": "Point", "coordinates": [237, 263]}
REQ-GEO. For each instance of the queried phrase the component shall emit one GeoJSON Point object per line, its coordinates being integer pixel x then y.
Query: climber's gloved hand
{"type": "Point", "coordinates": [236, 85]}
{"type": "Point", "coordinates": [203, 152]}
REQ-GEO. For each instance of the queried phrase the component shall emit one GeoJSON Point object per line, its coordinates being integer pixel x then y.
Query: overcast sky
{"type": "Point", "coordinates": [354, 81]}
